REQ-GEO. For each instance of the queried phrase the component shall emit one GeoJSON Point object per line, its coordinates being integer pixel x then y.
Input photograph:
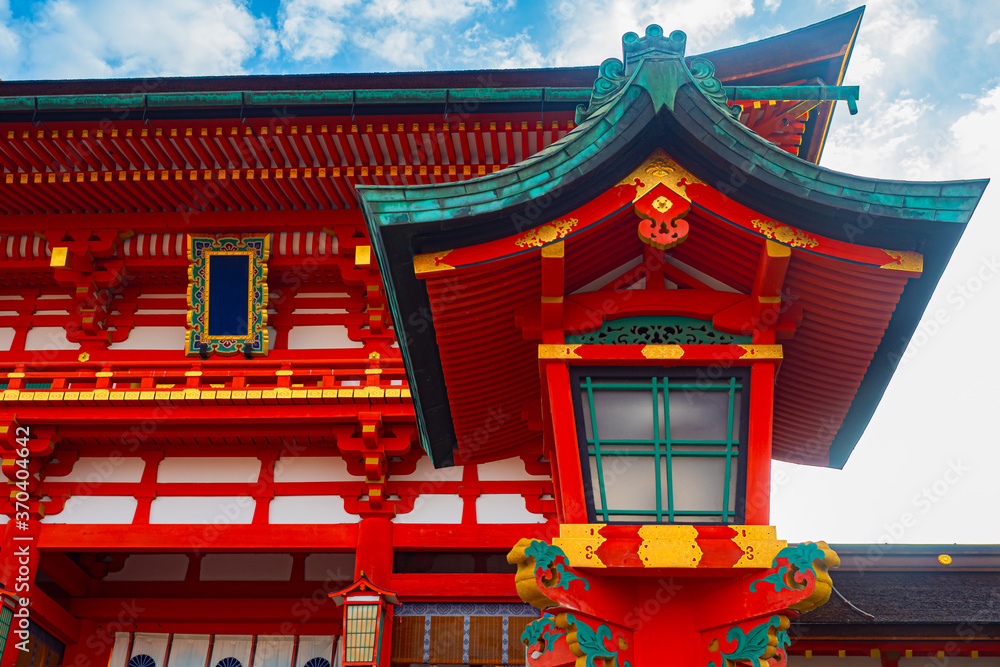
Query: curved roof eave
{"type": "Point", "coordinates": [657, 102]}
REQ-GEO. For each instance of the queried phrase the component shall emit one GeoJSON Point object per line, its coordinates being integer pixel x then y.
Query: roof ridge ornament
{"type": "Point", "coordinates": [614, 75]}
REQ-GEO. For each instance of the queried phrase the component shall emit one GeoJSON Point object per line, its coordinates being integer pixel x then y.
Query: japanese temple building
{"type": "Point", "coordinates": [459, 368]}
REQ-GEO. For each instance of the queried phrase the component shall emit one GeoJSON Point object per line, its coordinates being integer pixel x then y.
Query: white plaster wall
{"type": "Point", "coordinates": [326, 337]}
{"type": "Point", "coordinates": [312, 469]}
{"type": "Point", "coordinates": [504, 508]}
{"type": "Point", "coordinates": [152, 567]}
{"type": "Point", "coordinates": [218, 510]}
{"type": "Point", "coordinates": [309, 509]}
{"type": "Point", "coordinates": [329, 567]}
{"type": "Point", "coordinates": [97, 470]}
{"type": "Point", "coordinates": [246, 567]}
{"type": "Point", "coordinates": [431, 508]}
{"type": "Point", "coordinates": [96, 509]}
{"type": "Point", "coordinates": [6, 337]}
{"type": "Point", "coordinates": [153, 338]}
{"type": "Point", "coordinates": [208, 469]}
{"type": "Point", "coordinates": [506, 470]}
{"type": "Point", "coordinates": [48, 338]}
{"type": "Point", "coordinates": [425, 471]}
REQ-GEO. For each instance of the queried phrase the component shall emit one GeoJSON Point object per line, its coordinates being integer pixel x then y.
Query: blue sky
{"type": "Point", "coordinates": [925, 470]}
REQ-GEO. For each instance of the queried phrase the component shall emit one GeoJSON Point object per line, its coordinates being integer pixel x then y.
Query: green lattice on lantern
{"type": "Point", "coordinates": [663, 446]}
{"type": "Point", "coordinates": [658, 331]}
{"type": "Point", "coordinates": [227, 295]}
{"type": "Point", "coordinates": [6, 616]}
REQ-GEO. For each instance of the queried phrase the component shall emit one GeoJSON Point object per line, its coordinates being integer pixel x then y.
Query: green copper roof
{"type": "Point", "coordinates": [653, 99]}
{"type": "Point", "coordinates": [653, 73]}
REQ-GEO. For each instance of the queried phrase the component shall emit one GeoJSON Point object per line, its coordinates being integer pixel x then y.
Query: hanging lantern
{"type": "Point", "coordinates": [365, 614]}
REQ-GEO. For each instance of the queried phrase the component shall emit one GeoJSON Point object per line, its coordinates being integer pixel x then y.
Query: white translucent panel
{"type": "Point", "coordinates": [434, 508]}
{"type": "Point", "coordinates": [209, 469]}
{"type": "Point", "coordinates": [623, 415]}
{"type": "Point", "coordinates": [95, 470]}
{"type": "Point", "coordinates": [246, 567]}
{"type": "Point", "coordinates": [274, 651]}
{"type": "Point", "coordinates": [119, 652]}
{"type": "Point", "coordinates": [425, 471]}
{"type": "Point", "coordinates": [217, 510]}
{"type": "Point", "coordinates": [152, 567]}
{"type": "Point", "coordinates": [231, 646]}
{"type": "Point", "coordinates": [312, 469]}
{"type": "Point", "coordinates": [322, 337]}
{"type": "Point", "coordinates": [153, 338]}
{"type": "Point", "coordinates": [504, 508]}
{"type": "Point", "coordinates": [188, 651]}
{"type": "Point", "coordinates": [48, 338]}
{"type": "Point", "coordinates": [703, 415]}
{"type": "Point", "coordinates": [309, 509]}
{"type": "Point", "coordinates": [153, 645]}
{"type": "Point", "coordinates": [629, 481]}
{"type": "Point", "coordinates": [698, 483]}
{"type": "Point", "coordinates": [315, 647]}
{"type": "Point", "coordinates": [329, 567]}
{"type": "Point", "coordinates": [6, 338]}
{"type": "Point", "coordinates": [95, 509]}
{"type": "Point", "coordinates": [505, 470]}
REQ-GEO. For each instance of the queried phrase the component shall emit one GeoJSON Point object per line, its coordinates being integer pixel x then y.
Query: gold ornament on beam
{"type": "Point", "coordinates": [784, 234]}
{"type": "Point", "coordinates": [547, 233]}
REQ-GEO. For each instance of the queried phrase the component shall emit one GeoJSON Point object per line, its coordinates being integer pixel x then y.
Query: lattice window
{"type": "Point", "coordinates": [141, 660]}
{"type": "Point", "coordinates": [361, 633]}
{"type": "Point", "coordinates": [663, 446]}
{"type": "Point", "coordinates": [6, 615]}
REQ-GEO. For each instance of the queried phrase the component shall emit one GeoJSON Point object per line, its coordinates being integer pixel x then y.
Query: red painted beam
{"type": "Point", "coordinates": [214, 222]}
{"type": "Point", "coordinates": [456, 587]}
{"type": "Point", "coordinates": [53, 617]}
{"type": "Point", "coordinates": [65, 574]}
{"type": "Point", "coordinates": [198, 538]}
{"type": "Point", "coordinates": [281, 538]}
{"type": "Point", "coordinates": [206, 609]}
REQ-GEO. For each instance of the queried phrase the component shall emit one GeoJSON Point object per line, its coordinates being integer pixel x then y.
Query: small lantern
{"type": "Point", "coordinates": [364, 617]}
{"type": "Point", "coordinates": [8, 602]}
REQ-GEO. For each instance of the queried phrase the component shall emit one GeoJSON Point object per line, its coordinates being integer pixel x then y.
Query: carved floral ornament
{"type": "Point", "coordinates": [753, 631]}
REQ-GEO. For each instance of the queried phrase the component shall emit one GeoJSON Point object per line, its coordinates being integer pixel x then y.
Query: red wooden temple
{"type": "Point", "coordinates": [481, 368]}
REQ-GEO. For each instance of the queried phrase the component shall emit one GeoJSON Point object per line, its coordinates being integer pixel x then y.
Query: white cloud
{"type": "Point", "coordinates": [314, 29]}
{"type": "Point", "coordinates": [588, 31]}
{"type": "Point", "coordinates": [772, 5]}
{"type": "Point", "coordinates": [994, 37]}
{"type": "Point", "coordinates": [116, 38]}
{"type": "Point", "coordinates": [9, 40]}
{"type": "Point", "coordinates": [404, 34]}
{"type": "Point", "coordinates": [481, 50]}
{"type": "Point", "coordinates": [424, 11]}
